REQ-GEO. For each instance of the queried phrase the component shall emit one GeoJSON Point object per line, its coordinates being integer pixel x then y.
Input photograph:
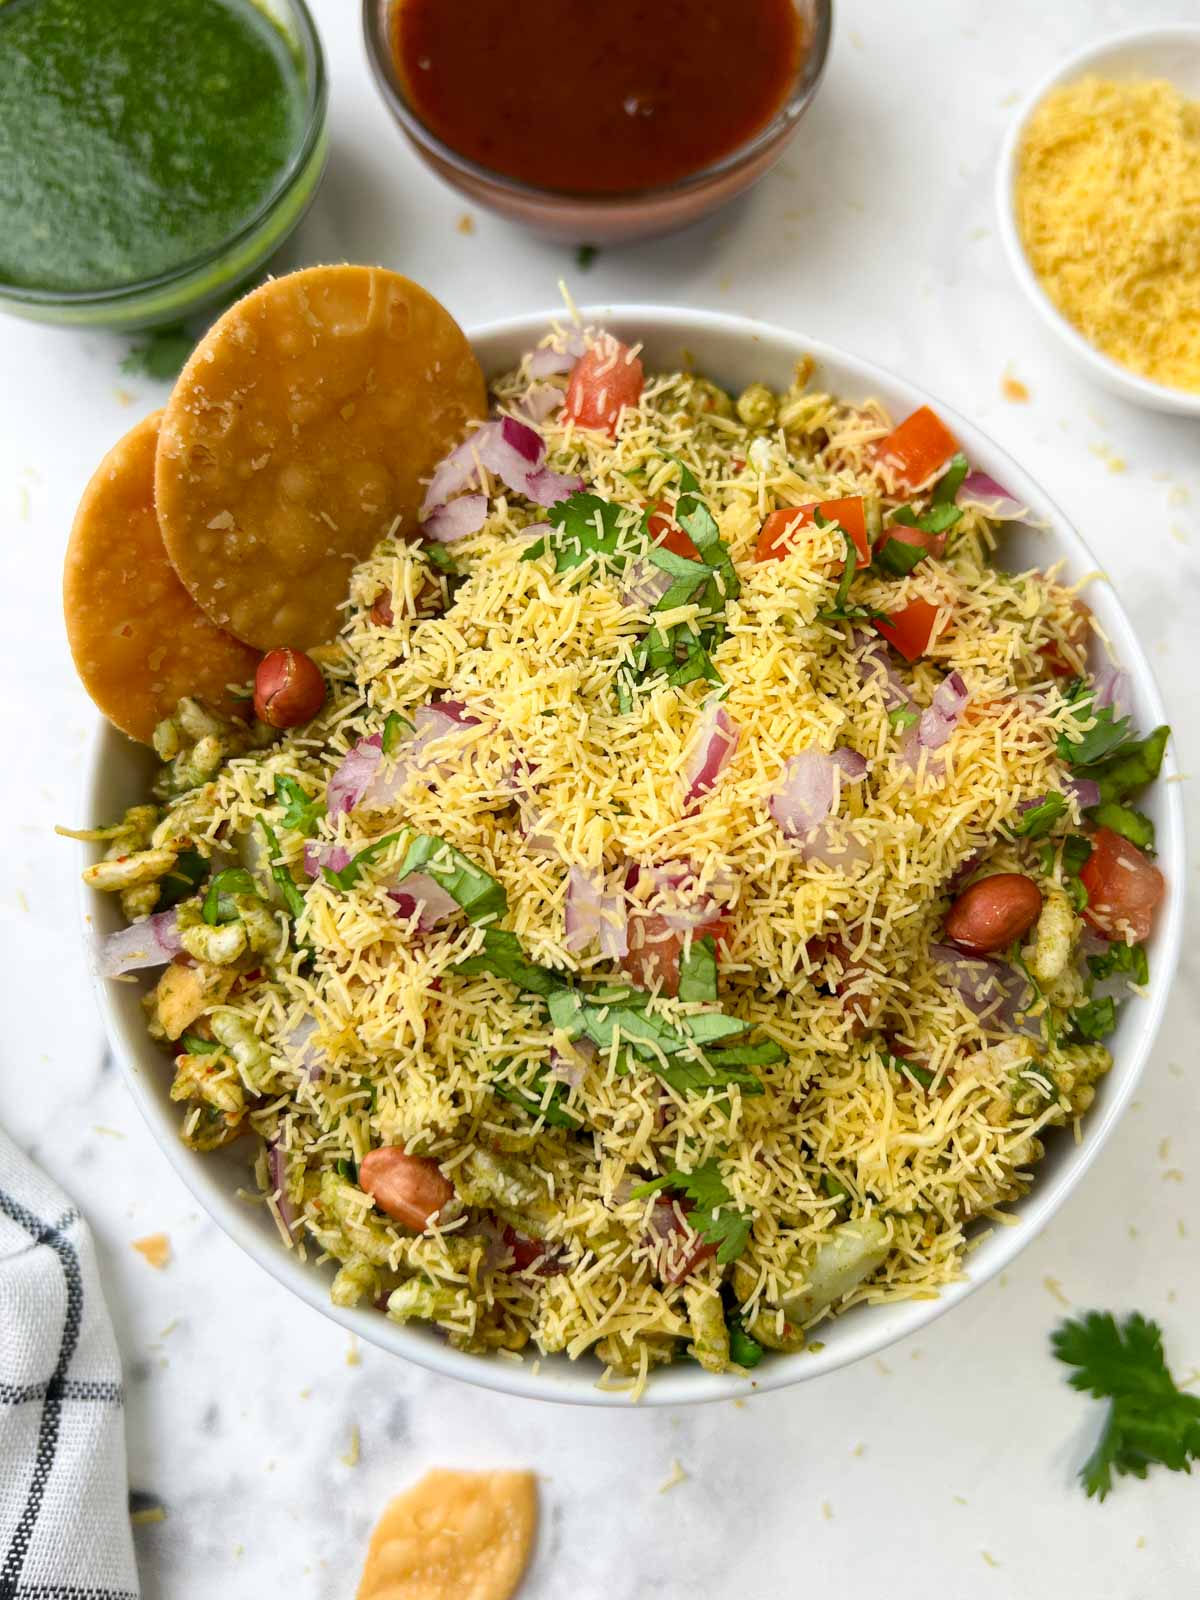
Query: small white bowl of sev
{"type": "Point", "coordinates": [1098, 195]}
{"type": "Point", "coordinates": [733, 351]}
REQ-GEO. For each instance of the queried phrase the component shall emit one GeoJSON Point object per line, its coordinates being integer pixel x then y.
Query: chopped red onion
{"type": "Point", "coordinates": [991, 989]}
{"type": "Point", "coordinates": [318, 856]}
{"type": "Point", "coordinates": [569, 1069]}
{"type": "Point", "coordinates": [310, 1057]}
{"type": "Point", "coordinates": [277, 1167]}
{"type": "Point", "coordinates": [982, 493]}
{"type": "Point", "coordinates": [353, 774]}
{"type": "Point", "coordinates": [678, 897]}
{"type": "Point", "coordinates": [715, 740]}
{"type": "Point", "coordinates": [948, 704]}
{"type": "Point", "coordinates": [1110, 687]}
{"type": "Point", "coordinates": [806, 793]}
{"type": "Point", "coordinates": [559, 356]}
{"type": "Point", "coordinates": [539, 400]}
{"type": "Point", "coordinates": [875, 666]}
{"type": "Point", "coordinates": [962, 872]}
{"type": "Point", "coordinates": [546, 488]}
{"type": "Point", "coordinates": [430, 722]}
{"type": "Point", "coordinates": [853, 766]}
{"type": "Point", "coordinates": [150, 943]}
{"type": "Point", "coordinates": [455, 472]}
{"type": "Point", "coordinates": [593, 914]}
{"type": "Point", "coordinates": [1086, 792]}
{"type": "Point", "coordinates": [456, 519]}
{"type": "Point", "coordinates": [424, 898]}
{"type": "Point", "coordinates": [644, 585]}
{"type": "Point", "coordinates": [832, 844]}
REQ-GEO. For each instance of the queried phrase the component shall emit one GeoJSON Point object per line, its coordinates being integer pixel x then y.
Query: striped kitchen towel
{"type": "Point", "coordinates": [64, 1520]}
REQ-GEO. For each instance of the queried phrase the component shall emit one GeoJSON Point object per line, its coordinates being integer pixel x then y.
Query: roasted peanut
{"type": "Point", "coordinates": [288, 689]}
{"type": "Point", "coordinates": [994, 912]}
{"type": "Point", "coordinates": [411, 1189]}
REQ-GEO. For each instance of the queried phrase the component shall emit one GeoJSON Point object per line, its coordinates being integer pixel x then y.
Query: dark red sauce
{"type": "Point", "coordinates": [596, 96]}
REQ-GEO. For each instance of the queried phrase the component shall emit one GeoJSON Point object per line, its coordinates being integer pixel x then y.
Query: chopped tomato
{"type": "Point", "coordinates": [655, 948]}
{"type": "Point", "coordinates": [604, 380]}
{"type": "Point", "coordinates": [934, 543]}
{"type": "Point", "coordinates": [910, 629]}
{"type": "Point", "coordinates": [533, 1255]}
{"type": "Point", "coordinates": [777, 538]}
{"type": "Point", "coordinates": [685, 1249]}
{"type": "Point", "coordinates": [665, 531]}
{"type": "Point", "coordinates": [1123, 887]}
{"type": "Point", "coordinates": [1053, 655]}
{"type": "Point", "coordinates": [916, 450]}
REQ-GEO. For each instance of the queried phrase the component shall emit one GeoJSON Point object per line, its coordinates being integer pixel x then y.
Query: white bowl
{"type": "Point", "coordinates": [1171, 52]}
{"type": "Point", "coordinates": [734, 351]}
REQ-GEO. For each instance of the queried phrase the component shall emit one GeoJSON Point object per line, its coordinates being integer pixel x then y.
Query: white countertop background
{"type": "Point", "coordinates": [948, 1467]}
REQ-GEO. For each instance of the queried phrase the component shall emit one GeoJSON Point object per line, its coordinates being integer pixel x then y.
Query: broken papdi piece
{"type": "Point", "coordinates": [453, 1536]}
{"type": "Point", "coordinates": [140, 642]}
{"type": "Point", "coordinates": [297, 434]}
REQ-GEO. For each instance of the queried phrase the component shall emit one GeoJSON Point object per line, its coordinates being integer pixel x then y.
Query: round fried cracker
{"type": "Point", "coordinates": [297, 434]}
{"type": "Point", "coordinates": [139, 640]}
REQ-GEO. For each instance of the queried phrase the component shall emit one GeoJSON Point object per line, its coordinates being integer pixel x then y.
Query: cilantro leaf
{"type": "Point", "coordinates": [1137, 763]}
{"type": "Point", "coordinates": [194, 1045]}
{"type": "Point", "coordinates": [503, 957]}
{"type": "Point", "coordinates": [187, 873]}
{"type": "Point", "coordinates": [394, 729]}
{"type": "Point", "coordinates": [1150, 1421]}
{"type": "Point", "coordinates": [1119, 957]}
{"type": "Point", "coordinates": [438, 556]}
{"type": "Point", "coordinates": [698, 971]}
{"type": "Point", "coordinates": [301, 814]}
{"type": "Point", "coordinates": [1094, 1020]}
{"type": "Point", "coordinates": [1037, 819]}
{"type": "Point", "coordinates": [292, 896]}
{"type": "Point", "coordinates": [1130, 823]}
{"type": "Point", "coordinates": [233, 880]}
{"type": "Point", "coordinates": [531, 1097]}
{"type": "Point", "coordinates": [1108, 733]}
{"type": "Point", "coordinates": [161, 356]}
{"type": "Point", "coordinates": [909, 1069]}
{"type": "Point", "coordinates": [480, 895]}
{"type": "Point", "coordinates": [582, 526]}
{"type": "Point", "coordinates": [715, 1218]}
{"type": "Point", "coordinates": [686, 576]}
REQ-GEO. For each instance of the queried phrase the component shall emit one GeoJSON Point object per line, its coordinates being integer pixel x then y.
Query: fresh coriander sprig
{"type": "Point", "coordinates": [715, 1217]}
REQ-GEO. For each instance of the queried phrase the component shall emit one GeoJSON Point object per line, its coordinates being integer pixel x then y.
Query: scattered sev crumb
{"type": "Point", "coordinates": [1179, 535]}
{"type": "Point", "coordinates": [1140, 1543]}
{"type": "Point", "coordinates": [170, 1328]}
{"type": "Point", "coordinates": [678, 1476]}
{"type": "Point", "coordinates": [826, 1510]}
{"type": "Point", "coordinates": [349, 1457]}
{"type": "Point", "coordinates": [989, 1558]}
{"type": "Point", "coordinates": [1109, 456]}
{"type": "Point", "coordinates": [915, 1355]}
{"type": "Point", "coordinates": [1173, 1175]}
{"type": "Point", "coordinates": [1052, 1286]}
{"type": "Point", "coordinates": [109, 1133]}
{"type": "Point", "coordinates": [1164, 1149]}
{"type": "Point", "coordinates": [858, 1450]}
{"type": "Point", "coordinates": [1181, 1225]}
{"type": "Point", "coordinates": [22, 901]}
{"type": "Point", "coordinates": [1133, 1233]}
{"type": "Point", "coordinates": [1013, 389]}
{"type": "Point", "coordinates": [353, 1357]}
{"type": "Point", "coordinates": [466, 223]}
{"type": "Point", "coordinates": [148, 1514]}
{"type": "Point", "coordinates": [304, 1393]}
{"type": "Point", "coordinates": [882, 1366]}
{"type": "Point", "coordinates": [739, 1405]}
{"type": "Point", "coordinates": [960, 1500]}
{"type": "Point", "coordinates": [123, 397]}
{"type": "Point", "coordinates": [154, 1248]}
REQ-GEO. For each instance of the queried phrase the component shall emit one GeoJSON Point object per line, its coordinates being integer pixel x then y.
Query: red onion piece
{"type": "Point", "coordinates": [853, 766]}
{"type": "Point", "coordinates": [593, 914]}
{"type": "Point", "coordinates": [150, 943]}
{"type": "Point", "coordinates": [277, 1167]}
{"type": "Point", "coordinates": [806, 793]}
{"type": "Point", "coordinates": [991, 989]}
{"type": "Point", "coordinates": [948, 704]}
{"type": "Point", "coordinates": [875, 666]}
{"type": "Point", "coordinates": [715, 740]}
{"type": "Point", "coordinates": [455, 472]}
{"type": "Point", "coordinates": [644, 585]}
{"type": "Point", "coordinates": [421, 896]}
{"type": "Point", "coordinates": [1110, 687]}
{"type": "Point", "coordinates": [318, 856]}
{"type": "Point", "coordinates": [540, 400]}
{"type": "Point", "coordinates": [832, 845]}
{"type": "Point", "coordinates": [310, 1057]}
{"type": "Point", "coordinates": [558, 356]}
{"type": "Point", "coordinates": [982, 493]}
{"type": "Point", "coordinates": [546, 488]}
{"type": "Point", "coordinates": [1086, 792]}
{"type": "Point", "coordinates": [570, 1069]}
{"type": "Point", "coordinates": [430, 722]}
{"type": "Point", "coordinates": [353, 774]}
{"type": "Point", "coordinates": [456, 519]}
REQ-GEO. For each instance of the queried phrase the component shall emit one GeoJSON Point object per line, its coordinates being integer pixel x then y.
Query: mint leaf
{"type": "Point", "coordinates": [503, 957]}
{"type": "Point", "coordinates": [480, 895]}
{"type": "Point", "coordinates": [532, 1098]}
{"type": "Point", "coordinates": [347, 877]}
{"type": "Point", "coordinates": [698, 971]}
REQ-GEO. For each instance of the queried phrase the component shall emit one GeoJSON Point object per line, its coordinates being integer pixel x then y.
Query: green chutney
{"type": "Point", "coordinates": [136, 135]}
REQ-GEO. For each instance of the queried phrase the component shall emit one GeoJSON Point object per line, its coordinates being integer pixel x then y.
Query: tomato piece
{"type": "Point", "coordinates": [916, 450]}
{"type": "Point", "coordinates": [685, 1249]}
{"type": "Point", "coordinates": [604, 380]}
{"type": "Point", "coordinates": [534, 1255]}
{"type": "Point", "coordinates": [655, 948]}
{"type": "Point", "coordinates": [777, 538]}
{"type": "Point", "coordinates": [665, 531]}
{"type": "Point", "coordinates": [910, 629]}
{"type": "Point", "coordinates": [1123, 887]}
{"type": "Point", "coordinates": [934, 543]}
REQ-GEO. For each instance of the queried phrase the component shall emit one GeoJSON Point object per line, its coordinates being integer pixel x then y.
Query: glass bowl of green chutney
{"type": "Point", "coordinates": [154, 154]}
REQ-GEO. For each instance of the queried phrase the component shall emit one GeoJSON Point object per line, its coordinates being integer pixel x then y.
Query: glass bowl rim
{"type": "Point", "coordinates": [806, 82]}
{"type": "Point", "coordinates": [309, 41]}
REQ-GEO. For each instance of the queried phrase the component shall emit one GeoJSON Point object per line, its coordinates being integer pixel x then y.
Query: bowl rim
{"type": "Point", "coordinates": [885, 1324]}
{"type": "Point", "coordinates": [809, 74]}
{"type": "Point", "coordinates": [1144, 391]}
{"type": "Point", "coordinates": [312, 64]}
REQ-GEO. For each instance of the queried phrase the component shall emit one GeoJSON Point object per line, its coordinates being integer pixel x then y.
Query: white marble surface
{"type": "Point", "coordinates": [949, 1467]}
